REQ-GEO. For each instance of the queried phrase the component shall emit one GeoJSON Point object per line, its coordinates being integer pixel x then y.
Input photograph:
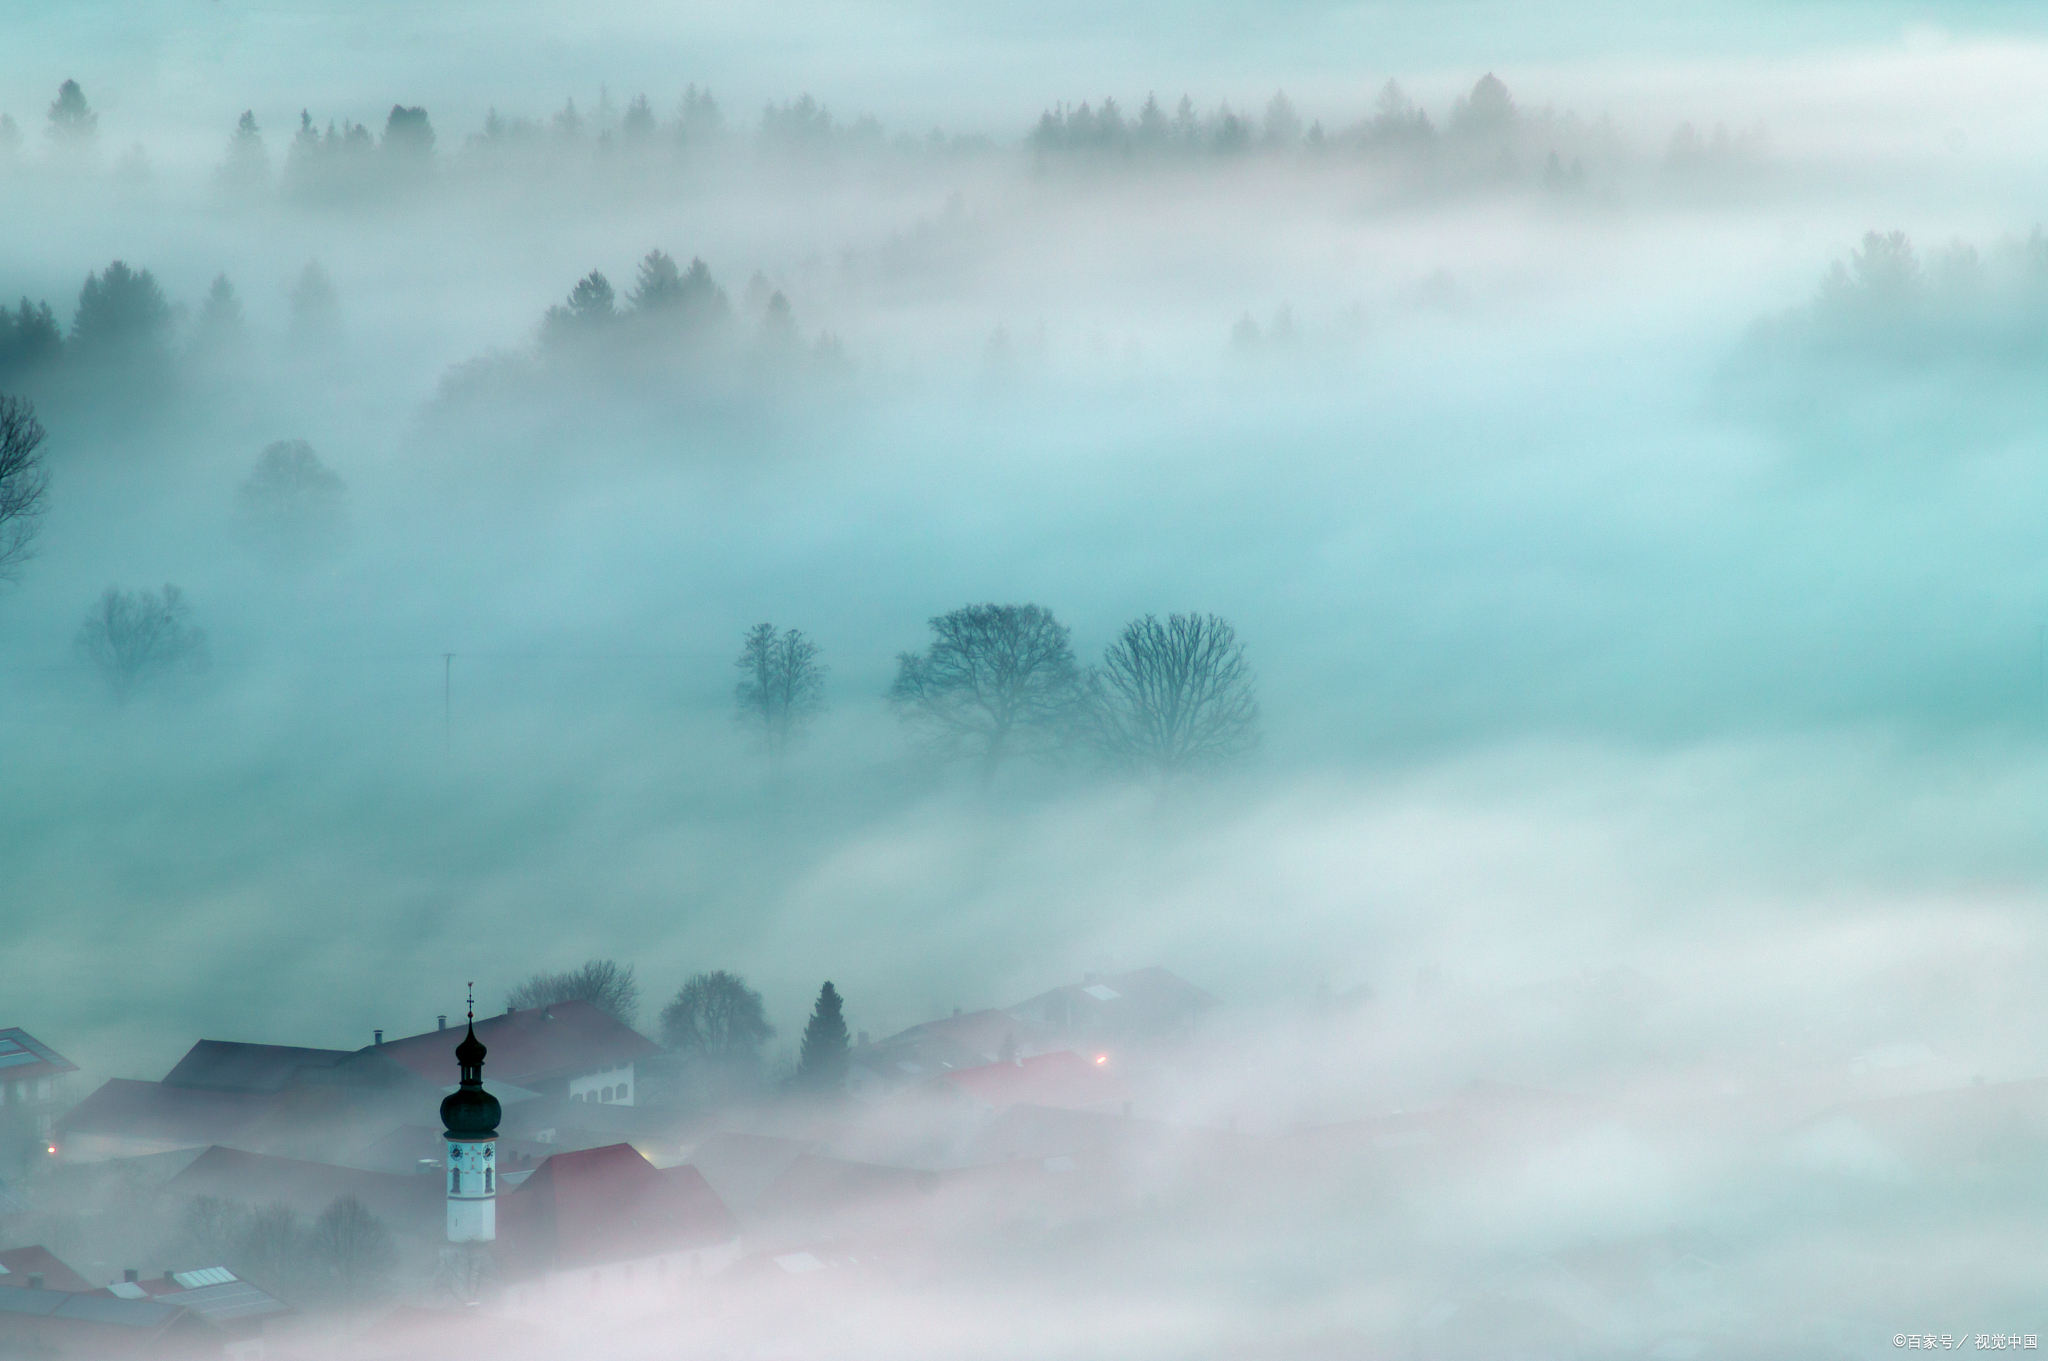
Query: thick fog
{"type": "Point", "coordinates": [1623, 477]}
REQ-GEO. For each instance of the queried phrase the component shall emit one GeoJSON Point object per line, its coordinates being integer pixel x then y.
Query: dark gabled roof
{"type": "Point", "coordinates": [233, 1066]}
{"type": "Point", "coordinates": [536, 1045]}
{"type": "Point", "coordinates": [23, 1056]}
{"type": "Point", "coordinates": [150, 1110]}
{"type": "Point", "coordinates": [19, 1263]}
{"type": "Point", "coordinates": [406, 1203]}
{"type": "Point", "coordinates": [606, 1205]}
{"type": "Point", "coordinates": [88, 1308]}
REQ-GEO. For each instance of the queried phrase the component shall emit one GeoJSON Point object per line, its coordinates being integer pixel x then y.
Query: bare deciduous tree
{"type": "Point", "coordinates": [132, 636]}
{"type": "Point", "coordinates": [353, 1247]}
{"type": "Point", "coordinates": [784, 684]}
{"type": "Point", "coordinates": [1174, 696]}
{"type": "Point", "coordinates": [997, 681]}
{"type": "Point", "coordinates": [24, 484]}
{"type": "Point", "coordinates": [604, 983]}
{"type": "Point", "coordinates": [717, 1019]}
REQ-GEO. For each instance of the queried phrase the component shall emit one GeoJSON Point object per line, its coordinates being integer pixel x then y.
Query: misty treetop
{"type": "Point", "coordinates": [716, 1025]}
{"type": "Point", "coordinates": [674, 337]}
{"type": "Point", "coordinates": [1889, 310]}
{"type": "Point", "coordinates": [122, 316]}
{"type": "Point", "coordinates": [73, 126]}
{"type": "Point", "coordinates": [822, 1061]}
{"type": "Point", "coordinates": [134, 637]}
{"type": "Point", "coordinates": [1173, 696]}
{"type": "Point", "coordinates": [292, 506]}
{"type": "Point", "coordinates": [996, 681]}
{"type": "Point", "coordinates": [603, 983]}
{"type": "Point", "coordinates": [782, 685]}
{"type": "Point", "coordinates": [130, 346]}
{"type": "Point", "coordinates": [1485, 137]}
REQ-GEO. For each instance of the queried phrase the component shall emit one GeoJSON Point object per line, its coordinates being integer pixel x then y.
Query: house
{"type": "Point", "coordinates": [234, 1066]}
{"type": "Point", "coordinates": [565, 1049]}
{"type": "Point", "coordinates": [237, 1308]}
{"type": "Point", "coordinates": [409, 1205]}
{"type": "Point", "coordinates": [125, 1118]}
{"type": "Point", "coordinates": [312, 1117]}
{"type": "Point", "coordinates": [97, 1325]}
{"type": "Point", "coordinates": [604, 1224]}
{"type": "Point", "coordinates": [962, 1040]}
{"type": "Point", "coordinates": [1142, 1006]}
{"type": "Point", "coordinates": [1061, 1079]}
{"type": "Point", "coordinates": [32, 1079]}
{"type": "Point", "coordinates": [661, 1134]}
{"type": "Point", "coordinates": [38, 1268]}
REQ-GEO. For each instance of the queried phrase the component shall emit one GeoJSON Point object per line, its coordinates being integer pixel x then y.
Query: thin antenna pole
{"type": "Point", "coordinates": [447, 704]}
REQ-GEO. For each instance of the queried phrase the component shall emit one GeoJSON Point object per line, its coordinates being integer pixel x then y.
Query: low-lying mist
{"type": "Point", "coordinates": [1627, 504]}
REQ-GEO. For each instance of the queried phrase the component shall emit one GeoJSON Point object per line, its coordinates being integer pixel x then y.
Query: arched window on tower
{"type": "Point", "coordinates": [454, 1181]}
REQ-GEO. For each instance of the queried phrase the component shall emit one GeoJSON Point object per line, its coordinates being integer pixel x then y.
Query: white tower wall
{"type": "Point", "coordinates": [472, 1190]}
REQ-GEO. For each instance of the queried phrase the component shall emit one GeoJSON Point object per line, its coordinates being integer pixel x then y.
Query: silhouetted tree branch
{"type": "Point", "coordinates": [132, 636]}
{"type": "Point", "coordinates": [997, 681]}
{"type": "Point", "coordinates": [24, 484]}
{"type": "Point", "coordinates": [1174, 696]}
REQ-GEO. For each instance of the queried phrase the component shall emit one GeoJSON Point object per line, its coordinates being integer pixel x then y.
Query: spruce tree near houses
{"type": "Point", "coordinates": [821, 1065]}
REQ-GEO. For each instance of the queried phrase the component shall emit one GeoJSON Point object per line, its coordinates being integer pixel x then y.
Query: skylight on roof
{"type": "Point", "coordinates": [212, 1275]}
{"type": "Point", "coordinates": [1101, 993]}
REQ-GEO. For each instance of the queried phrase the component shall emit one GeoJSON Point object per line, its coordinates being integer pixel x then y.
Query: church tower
{"type": "Point", "coordinates": [469, 1119]}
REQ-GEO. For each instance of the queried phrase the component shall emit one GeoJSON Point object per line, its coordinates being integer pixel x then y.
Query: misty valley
{"type": "Point", "coordinates": [1350, 714]}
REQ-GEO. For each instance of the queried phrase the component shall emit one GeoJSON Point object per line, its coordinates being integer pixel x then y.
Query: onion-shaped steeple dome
{"type": "Point", "coordinates": [470, 1112]}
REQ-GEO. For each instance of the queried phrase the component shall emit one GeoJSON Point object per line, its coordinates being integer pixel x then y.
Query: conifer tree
{"type": "Point", "coordinates": [822, 1062]}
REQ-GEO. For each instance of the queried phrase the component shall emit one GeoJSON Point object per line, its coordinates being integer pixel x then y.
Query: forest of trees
{"type": "Point", "coordinates": [1891, 305]}
{"type": "Point", "coordinates": [328, 160]}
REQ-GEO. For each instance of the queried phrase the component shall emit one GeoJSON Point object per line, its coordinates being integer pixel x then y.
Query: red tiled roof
{"type": "Point", "coordinates": [20, 1262]}
{"type": "Point", "coordinates": [1061, 1078]}
{"type": "Point", "coordinates": [606, 1205]}
{"type": "Point", "coordinates": [526, 1046]}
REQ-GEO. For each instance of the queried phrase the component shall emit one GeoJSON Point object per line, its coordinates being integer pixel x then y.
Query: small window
{"type": "Point", "coordinates": [607, 1096]}
{"type": "Point", "coordinates": [489, 1179]}
{"type": "Point", "coordinates": [454, 1181]}
{"type": "Point", "coordinates": [625, 1092]}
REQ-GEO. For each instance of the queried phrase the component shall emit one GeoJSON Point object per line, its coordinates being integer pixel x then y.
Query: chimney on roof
{"type": "Point", "coordinates": [35, 1280]}
{"type": "Point", "coordinates": [861, 1037]}
{"type": "Point", "coordinates": [956, 1013]}
{"type": "Point", "coordinates": [440, 1023]}
{"type": "Point", "coordinates": [1088, 978]}
{"type": "Point", "coordinates": [380, 1036]}
{"type": "Point", "coordinates": [131, 1275]}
